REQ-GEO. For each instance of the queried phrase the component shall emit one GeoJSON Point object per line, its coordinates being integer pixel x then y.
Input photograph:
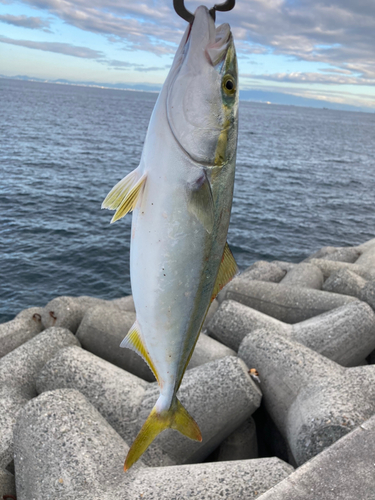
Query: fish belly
{"type": "Point", "coordinates": [166, 265]}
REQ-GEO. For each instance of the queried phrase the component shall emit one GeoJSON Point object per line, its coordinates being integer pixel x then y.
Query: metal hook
{"type": "Point", "coordinates": [182, 11]}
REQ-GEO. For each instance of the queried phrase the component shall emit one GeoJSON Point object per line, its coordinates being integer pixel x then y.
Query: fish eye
{"type": "Point", "coordinates": [229, 85]}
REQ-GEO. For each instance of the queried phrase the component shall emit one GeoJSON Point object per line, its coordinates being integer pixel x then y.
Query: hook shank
{"type": "Point", "coordinates": [182, 11]}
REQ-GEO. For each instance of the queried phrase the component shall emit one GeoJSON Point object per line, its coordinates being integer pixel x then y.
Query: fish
{"type": "Point", "coordinates": [181, 197]}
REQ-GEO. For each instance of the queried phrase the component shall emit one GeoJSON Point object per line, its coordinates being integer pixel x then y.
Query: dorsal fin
{"type": "Point", "coordinates": [124, 196]}
{"type": "Point", "coordinates": [133, 341]}
{"type": "Point", "coordinates": [227, 270]}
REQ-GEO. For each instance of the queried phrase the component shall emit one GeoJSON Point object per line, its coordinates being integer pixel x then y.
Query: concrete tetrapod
{"type": "Point", "coordinates": [285, 303]}
{"type": "Point", "coordinates": [345, 334]}
{"type": "Point", "coordinates": [328, 267]}
{"type": "Point", "coordinates": [349, 283]}
{"type": "Point", "coordinates": [367, 259]}
{"type": "Point", "coordinates": [262, 271]}
{"type": "Point", "coordinates": [344, 471]}
{"type": "Point", "coordinates": [18, 370]}
{"type": "Point", "coordinates": [22, 328]}
{"type": "Point", "coordinates": [313, 400]}
{"type": "Point", "coordinates": [68, 312]}
{"type": "Point", "coordinates": [233, 321]}
{"type": "Point", "coordinates": [240, 445]}
{"type": "Point", "coordinates": [342, 254]}
{"type": "Point", "coordinates": [104, 327]}
{"type": "Point", "coordinates": [305, 275]}
{"type": "Point", "coordinates": [220, 395]}
{"type": "Point", "coordinates": [65, 449]}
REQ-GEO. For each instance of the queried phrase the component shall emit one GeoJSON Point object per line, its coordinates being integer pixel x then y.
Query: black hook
{"type": "Point", "coordinates": [182, 11]}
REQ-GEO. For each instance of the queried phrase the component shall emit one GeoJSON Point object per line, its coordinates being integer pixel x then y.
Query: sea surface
{"type": "Point", "coordinates": [305, 179]}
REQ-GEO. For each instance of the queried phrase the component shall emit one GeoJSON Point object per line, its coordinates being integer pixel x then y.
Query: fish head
{"type": "Point", "coordinates": [202, 101]}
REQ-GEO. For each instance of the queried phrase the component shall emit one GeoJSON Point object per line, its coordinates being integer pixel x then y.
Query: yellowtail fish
{"type": "Point", "coordinates": [181, 196]}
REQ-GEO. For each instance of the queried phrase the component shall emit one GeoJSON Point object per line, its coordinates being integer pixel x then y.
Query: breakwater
{"type": "Point", "coordinates": [281, 384]}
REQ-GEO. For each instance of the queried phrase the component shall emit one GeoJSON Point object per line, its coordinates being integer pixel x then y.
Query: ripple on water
{"type": "Point", "coordinates": [304, 179]}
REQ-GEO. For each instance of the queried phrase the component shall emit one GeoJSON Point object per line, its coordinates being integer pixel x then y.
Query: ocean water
{"type": "Point", "coordinates": [305, 178]}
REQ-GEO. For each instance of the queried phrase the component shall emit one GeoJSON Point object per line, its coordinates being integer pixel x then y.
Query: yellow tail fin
{"type": "Point", "coordinates": [176, 418]}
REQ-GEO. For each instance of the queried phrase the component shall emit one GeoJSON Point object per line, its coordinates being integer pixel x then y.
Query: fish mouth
{"type": "Point", "coordinates": [216, 52]}
{"type": "Point", "coordinates": [218, 42]}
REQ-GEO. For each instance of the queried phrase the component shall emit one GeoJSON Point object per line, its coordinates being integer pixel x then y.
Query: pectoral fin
{"type": "Point", "coordinates": [133, 341]}
{"type": "Point", "coordinates": [201, 202]}
{"type": "Point", "coordinates": [227, 270]}
{"type": "Point", "coordinates": [124, 196]}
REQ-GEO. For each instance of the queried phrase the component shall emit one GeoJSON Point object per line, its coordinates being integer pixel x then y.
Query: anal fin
{"type": "Point", "coordinates": [124, 195]}
{"type": "Point", "coordinates": [227, 270]}
{"type": "Point", "coordinates": [133, 341]}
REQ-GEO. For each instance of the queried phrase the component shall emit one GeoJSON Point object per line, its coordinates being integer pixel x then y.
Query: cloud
{"type": "Point", "coordinates": [82, 52]}
{"type": "Point", "coordinates": [121, 65]}
{"type": "Point", "coordinates": [312, 78]}
{"type": "Point", "coordinates": [26, 22]}
{"type": "Point", "coordinates": [150, 25]}
{"type": "Point", "coordinates": [339, 33]}
{"type": "Point", "coordinates": [61, 48]}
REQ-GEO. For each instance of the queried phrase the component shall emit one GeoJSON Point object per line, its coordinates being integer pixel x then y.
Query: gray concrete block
{"type": "Point", "coordinates": [345, 334]}
{"type": "Point", "coordinates": [208, 349]}
{"type": "Point", "coordinates": [321, 253]}
{"type": "Point", "coordinates": [263, 271]}
{"type": "Point", "coordinates": [367, 259]}
{"type": "Point", "coordinates": [344, 471]}
{"type": "Point", "coordinates": [304, 275]}
{"type": "Point", "coordinates": [65, 450]}
{"type": "Point", "coordinates": [285, 266]}
{"type": "Point", "coordinates": [125, 303]}
{"type": "Point", "coordinates": [328, 267]}
{"type": "Point", "coordinates": [236, 480]}
{"type": "Point", "coordinates": [345, 282]}
{"type": "Point", "coordinates": [68, 312]}
{"type": "Point", "coordinates": [349, 283]}
{"type": "Point", "coordinates": [342, 254]}
{"type": "Point", "coordinates": [19, 368]}
{"type": "Point", "coordinates": [233, 321]}
{"type": "Point", "coordinates": [366, 245]}
{"type": "Point", "coordinates": [219, 395]}
{"type": "Point", "coordinates": [259, 271]}
{"type": "Point", "coordinates": [367, 293]}
{"type": "Point", "coordinates": [22, 328]}
{"type": "Point", "coordinates": [312, 400]}
{"type": "Point", "coordinates": [240, 445]}
{"type": "Point", "coordinates": [285, 303]}
{"type": "Point", "coordinates": [7, 484]}
{"type": "Point", "coordinates": [101, 332]}
{"type": "Point", "coordinates": [18, 371]}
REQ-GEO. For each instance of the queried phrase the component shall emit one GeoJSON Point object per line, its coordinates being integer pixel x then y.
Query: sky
{"type": "Point", "coordinates": [314, 49]}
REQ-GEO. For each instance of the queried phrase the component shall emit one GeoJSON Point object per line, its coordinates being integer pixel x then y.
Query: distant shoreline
{"type": "Point", "coordinates": [256, 96]}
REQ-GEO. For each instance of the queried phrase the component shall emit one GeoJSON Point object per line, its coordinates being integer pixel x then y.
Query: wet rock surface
{"type": "Point", "coordinates": [293, 338]}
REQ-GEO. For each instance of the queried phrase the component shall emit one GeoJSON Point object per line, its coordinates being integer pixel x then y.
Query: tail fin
{"type": "Point", "coordinates": [175, 418]}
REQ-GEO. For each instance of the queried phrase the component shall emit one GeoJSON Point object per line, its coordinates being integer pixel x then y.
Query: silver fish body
{"type": "Point", "coordinates": [181, 196]}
